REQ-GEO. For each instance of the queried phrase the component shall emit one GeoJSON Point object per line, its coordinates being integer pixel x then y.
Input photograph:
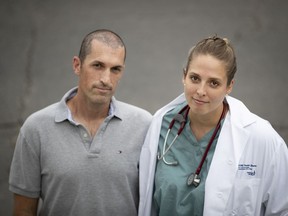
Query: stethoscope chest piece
{"type": "Point", "coordinates": [193, 179]}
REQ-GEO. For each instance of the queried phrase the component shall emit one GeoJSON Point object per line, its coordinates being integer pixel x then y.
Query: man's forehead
{"type": "Point", "coordinates": [104, 54]}
{"type": "Point", "coordinates": [99, 45]}
{"type": "Point", "coordinates": [108, 41]}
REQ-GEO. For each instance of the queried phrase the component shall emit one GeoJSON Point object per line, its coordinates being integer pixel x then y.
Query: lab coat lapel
{"type": "Point", "coordinates": [230, 146]}
{"type": "Point", "coordinates": [148, 157]}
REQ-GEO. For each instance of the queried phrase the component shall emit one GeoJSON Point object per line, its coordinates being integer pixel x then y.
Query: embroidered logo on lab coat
{"type": "Point", "coordinates": [250, 169]}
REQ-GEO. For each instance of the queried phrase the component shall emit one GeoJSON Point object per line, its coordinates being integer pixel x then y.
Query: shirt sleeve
{"type": "Point", "coordinates": [25, 177]}
{"type": "Point", "coordinates": [277, 199]}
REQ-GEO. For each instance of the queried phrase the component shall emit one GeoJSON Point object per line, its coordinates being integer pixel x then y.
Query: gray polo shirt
{"type": "Point", "coordinates": [75, 174]}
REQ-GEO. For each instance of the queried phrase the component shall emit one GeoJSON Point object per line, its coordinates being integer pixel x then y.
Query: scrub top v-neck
{"type": "Point", "coordinates": [172, 195]}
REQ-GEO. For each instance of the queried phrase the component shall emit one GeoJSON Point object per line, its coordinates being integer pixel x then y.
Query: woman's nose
{"type": "Point", "coordinates": [201, 90]}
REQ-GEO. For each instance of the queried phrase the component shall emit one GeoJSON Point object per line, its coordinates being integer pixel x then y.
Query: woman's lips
{"type": "Point", "coordinates": [197, 101]}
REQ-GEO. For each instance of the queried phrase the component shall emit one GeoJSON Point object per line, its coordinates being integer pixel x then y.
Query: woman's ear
{"type": "Point", "coordinates": [184, 71]}
{"type": "Point", "coordinates": [230, 87]}
{"type": "Point", "coordinates": [184, 76]}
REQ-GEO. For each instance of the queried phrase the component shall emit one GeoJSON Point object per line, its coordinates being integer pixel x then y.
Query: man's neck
{"type": "Point", "coordinates": [90, 115]}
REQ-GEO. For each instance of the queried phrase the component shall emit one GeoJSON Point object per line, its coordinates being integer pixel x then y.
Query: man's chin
{"type": "Point", "coordinates": [101, 99]}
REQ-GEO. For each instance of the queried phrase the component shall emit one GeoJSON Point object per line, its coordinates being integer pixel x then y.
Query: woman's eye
{"type": "Point", "coordinates": [214, 83]}
{"type": "Point", "coordinates": [194, 78]}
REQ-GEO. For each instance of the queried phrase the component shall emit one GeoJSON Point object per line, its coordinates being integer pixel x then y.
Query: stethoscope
{"type": "Point", "coordinates": [193, 178]}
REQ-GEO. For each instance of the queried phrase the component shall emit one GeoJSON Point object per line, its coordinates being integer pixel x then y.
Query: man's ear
{"type": "Point", "coordinates": [76, 65]}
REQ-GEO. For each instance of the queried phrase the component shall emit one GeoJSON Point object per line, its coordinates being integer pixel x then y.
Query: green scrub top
{"type": "Point", "coordinates": [172, 195]}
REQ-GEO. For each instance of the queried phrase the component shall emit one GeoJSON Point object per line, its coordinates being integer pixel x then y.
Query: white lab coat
{"type": "Point", "coordinates": [248, 173]}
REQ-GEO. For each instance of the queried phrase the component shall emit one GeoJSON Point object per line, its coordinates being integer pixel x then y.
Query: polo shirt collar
{"type": "Point", "coordinates": [63, 112]}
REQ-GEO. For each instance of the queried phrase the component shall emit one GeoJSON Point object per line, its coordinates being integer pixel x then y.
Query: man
{"type": "Point", "coordinates": [80, 156]}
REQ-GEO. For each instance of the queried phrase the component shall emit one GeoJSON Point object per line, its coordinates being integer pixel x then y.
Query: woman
{"type": "Point", "coordinates": [225, 160]}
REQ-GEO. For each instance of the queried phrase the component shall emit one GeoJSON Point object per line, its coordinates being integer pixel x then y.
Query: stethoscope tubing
{"type": "Point", "coordinates": [198, 170]}
{"type": "Point", "coordinates": [195, 175]}
{"type": "Point", "coordinates": [182, 125]}
{"type": "Point", "coordinates": [164, 151]}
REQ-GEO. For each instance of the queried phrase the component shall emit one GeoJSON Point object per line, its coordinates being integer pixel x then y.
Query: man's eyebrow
{"type": "Point", "coordinates": [98, 62]}
{"type": "Point", "coordinates": [118, 66]}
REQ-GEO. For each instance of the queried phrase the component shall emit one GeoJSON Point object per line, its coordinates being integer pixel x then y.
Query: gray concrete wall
{"type": "Point", "coordinates": [39, 38]}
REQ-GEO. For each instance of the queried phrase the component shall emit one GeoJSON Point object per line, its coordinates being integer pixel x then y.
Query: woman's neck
{"type": "Point", "coordinates": [202, 124]}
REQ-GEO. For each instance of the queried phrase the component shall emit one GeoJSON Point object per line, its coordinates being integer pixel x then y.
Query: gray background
{"type": "Point", "coordinates": [39, 38]}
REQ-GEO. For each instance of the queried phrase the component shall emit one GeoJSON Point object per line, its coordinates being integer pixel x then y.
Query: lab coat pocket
{"type": "Point", "coordinates": [243, 197]}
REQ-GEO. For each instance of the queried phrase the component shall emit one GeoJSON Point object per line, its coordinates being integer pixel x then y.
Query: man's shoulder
{"type": "Point", "coordinates": [129, 110]}
{"type": "Point", "coordinates": [42, 115]}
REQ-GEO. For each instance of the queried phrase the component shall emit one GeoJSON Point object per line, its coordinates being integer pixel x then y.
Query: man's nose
{"type": "Point", "coordinates": [105, 76]}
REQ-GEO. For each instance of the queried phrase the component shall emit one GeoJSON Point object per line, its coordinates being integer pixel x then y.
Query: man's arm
{"type": "Point", "coordinates": [25, 206]}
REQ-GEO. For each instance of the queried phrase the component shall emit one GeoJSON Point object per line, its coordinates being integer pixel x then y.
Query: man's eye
{"type": "Point", "coordinates": [97, 65]}
{"type": "Point", "coordinates": [116, 70]}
